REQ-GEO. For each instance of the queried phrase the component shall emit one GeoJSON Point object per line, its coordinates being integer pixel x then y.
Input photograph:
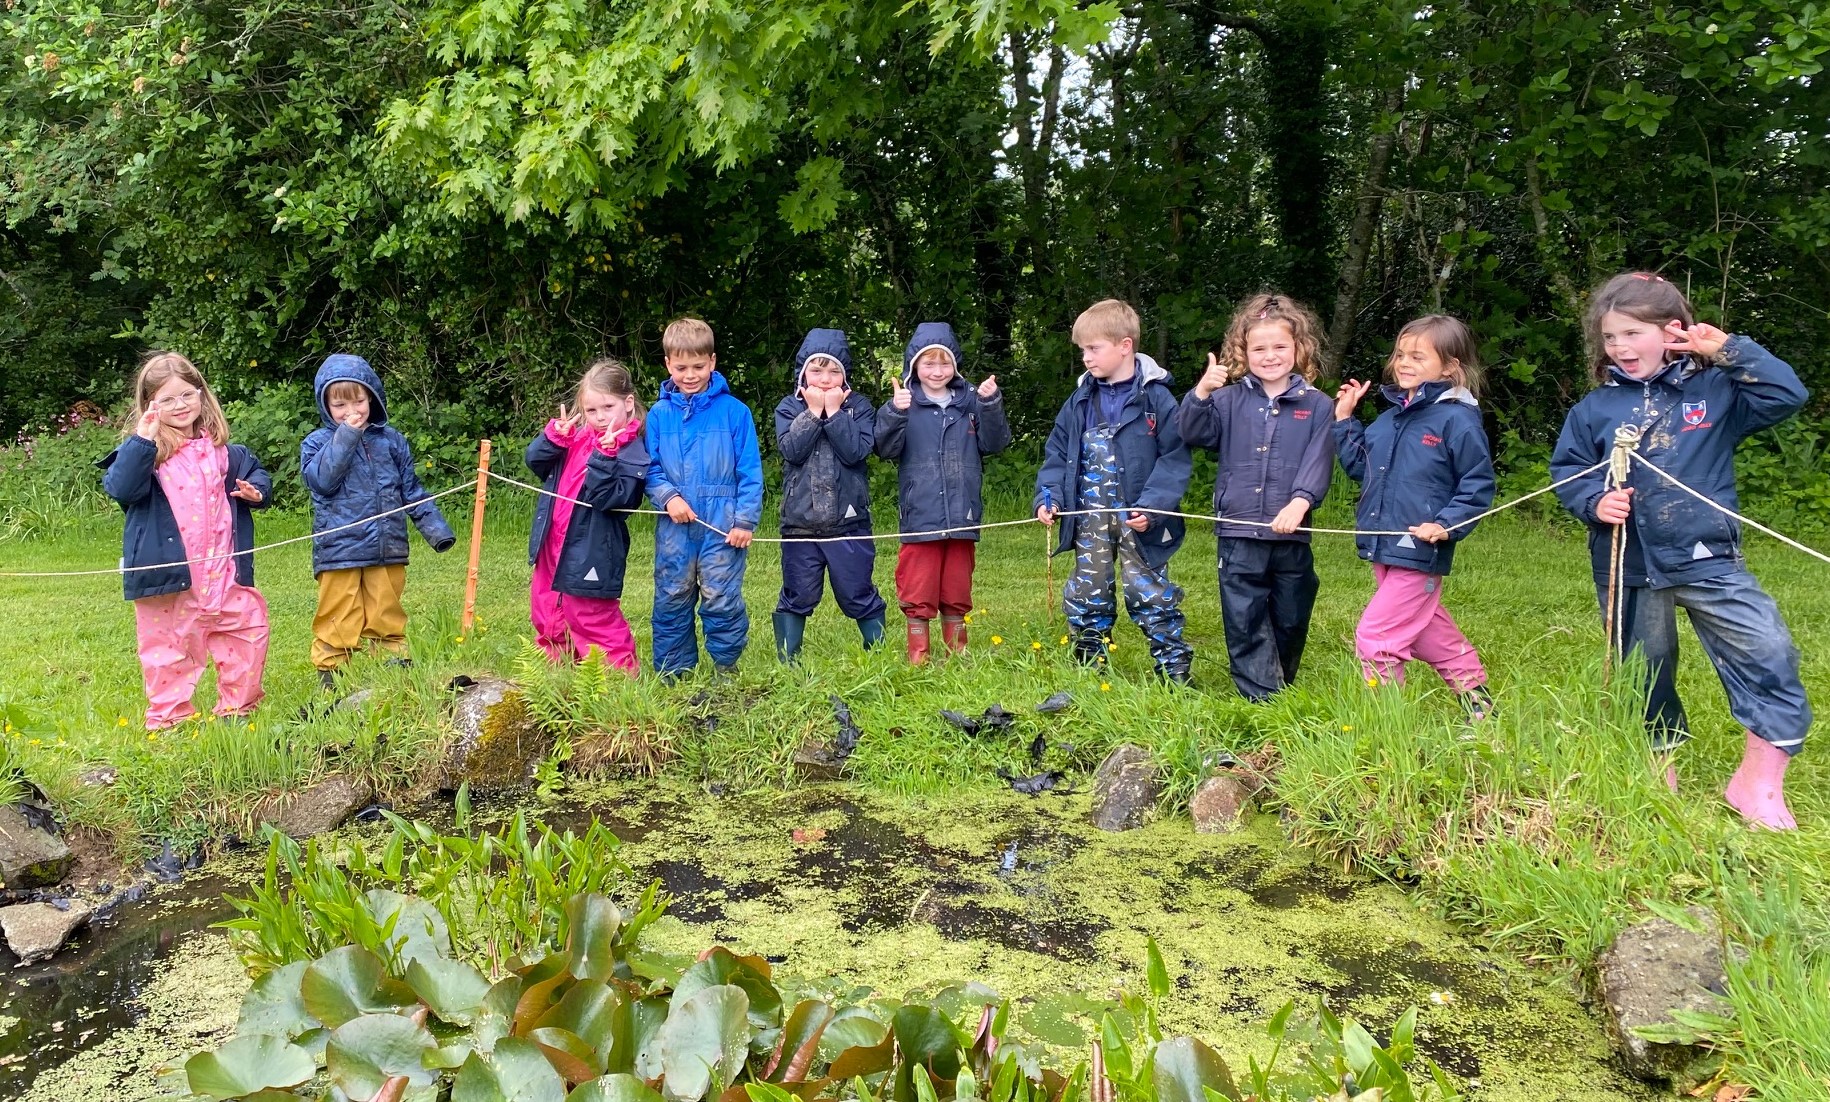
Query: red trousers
{"type": "Point", "coordinates": [935, 578]}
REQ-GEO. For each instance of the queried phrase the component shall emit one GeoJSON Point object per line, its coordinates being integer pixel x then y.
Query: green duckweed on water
{"type": "Point", "coordinates": [849, 895]}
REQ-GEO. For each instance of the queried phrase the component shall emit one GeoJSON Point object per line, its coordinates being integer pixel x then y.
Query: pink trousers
{"type": "Point", "coordinates": [568, 627]}
{"type": "Point", "coordinates": [179, 635]}
{"type": "Point", "coordinates": [1406, 620]}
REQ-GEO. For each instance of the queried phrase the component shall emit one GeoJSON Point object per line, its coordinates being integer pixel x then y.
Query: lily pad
{"type": "Point", "coordinates": [247, 1064]}
{"type": "Point", "coordinates": [344, 984]}
{"type": "Point", "coordinates": [704, 1040]}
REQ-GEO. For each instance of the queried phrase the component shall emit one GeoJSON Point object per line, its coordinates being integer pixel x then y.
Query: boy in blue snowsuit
{"type": "Point", "coordinates": [1116, 446]}
{"type": "Point", "coordinates": [357, 465]}
{"type": "Point", "coordinates": [705, 465]}
{"type": "Point", "coordinates": [825, 431]}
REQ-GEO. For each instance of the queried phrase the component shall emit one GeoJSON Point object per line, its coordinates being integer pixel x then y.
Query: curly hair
{"type": "Point", "coordinates": [1305, 329]}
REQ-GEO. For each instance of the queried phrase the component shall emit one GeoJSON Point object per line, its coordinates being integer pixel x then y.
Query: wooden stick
{"type": "Point", "coordinates": [476, 541]}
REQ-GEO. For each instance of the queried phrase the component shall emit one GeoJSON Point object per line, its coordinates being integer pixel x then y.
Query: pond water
{"type": "Point", "coordinates": [849, 895]}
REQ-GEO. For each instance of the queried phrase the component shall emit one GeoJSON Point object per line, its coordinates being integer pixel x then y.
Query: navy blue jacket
{"type": "Point", "coordinates": [1692, 416]}
{"type": "Point", "coordinates": [826, 487]}
{"type": "Point", "coordinates": [151, 537]}
{"type": "Point", "coordinates": [1421, 462]}
{"type": "Point", "coordinates": [358, 473]}
{"type": "Point", "coordinates": [939, 478]}
{"type": "Point", "coordinates": [596, 548]}
{"type": "Point", "coordinates": [1272, 450]}
{"type": "Point", "coordinates": [1154, 464]}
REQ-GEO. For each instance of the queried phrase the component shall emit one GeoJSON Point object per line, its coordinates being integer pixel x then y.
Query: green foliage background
{"type": "Point", "coordinates": [480, 194]}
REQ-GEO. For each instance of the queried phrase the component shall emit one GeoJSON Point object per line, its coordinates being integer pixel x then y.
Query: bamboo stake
{"type": "Point", "coordinates": [476, 541]}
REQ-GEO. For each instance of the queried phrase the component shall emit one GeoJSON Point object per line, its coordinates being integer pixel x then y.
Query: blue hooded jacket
{"type": "Point", "coordinates": [703, 447]}
{"type": "Point", "coordinates": [1692, 416]}
{"type": "Point", "coordinates": [826, 489]}
{"type": "Point", "coordinates": [356, 473]}
{"type": "Point", "coordinates": [937, 448]}
{"type": "Point", "coordinates": [1422, 461]}
{"type": "Point", "coordinates": [1154, 464]}
{"type": "Point", "coordinates": [151, 537]}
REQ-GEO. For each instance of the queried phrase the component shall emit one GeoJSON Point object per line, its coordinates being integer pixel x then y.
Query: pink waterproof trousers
{"type": "Point", "coordinates": [1406, 620]}
{"type": "Point", "coordinates": [566, 626]}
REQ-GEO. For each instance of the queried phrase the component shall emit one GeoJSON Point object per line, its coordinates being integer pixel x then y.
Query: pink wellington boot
{"type": "Point", "coordinates": [1757, 790]}
{"type": "Point", "coordinates": [1671, 780]}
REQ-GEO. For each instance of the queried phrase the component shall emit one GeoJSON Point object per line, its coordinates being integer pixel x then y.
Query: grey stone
{"type": "Point", "coordinates": [1125, 789]}
{"type": "Point", "coordinates": [816, 761]}
{"type": "Point", "coordinates": [355, 701]}
{"type": "Point", "coordinates": [34, 931]}
{"type": "Point", "coordinates": [323, 807]}
{"type": "Point", "coordinates": [30, 857]}
{"type": "Point", "coordinates": [1219, 805]}
{"type": "Point", "coordinates": [1654, 968]}
{"type": "Point", "coordinates": [498, 742]}
{"type": "Point", "coordinates": [102, 776]}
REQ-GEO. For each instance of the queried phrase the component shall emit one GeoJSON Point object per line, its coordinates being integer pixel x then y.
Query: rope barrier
{"type": "Point", "coordinates": [1726, 511]}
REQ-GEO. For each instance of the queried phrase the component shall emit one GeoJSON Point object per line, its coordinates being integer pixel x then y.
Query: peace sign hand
{"type": "Point", "coordinates": [148, 426]}
{"type": "Point", "coordinates": [1702, 338]}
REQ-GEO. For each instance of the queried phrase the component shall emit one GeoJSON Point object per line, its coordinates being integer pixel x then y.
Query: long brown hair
{"type": "Point", "coordinates": [159, 368]}
{"type": "Point", "coordinates": [1451, 339]}
{"type": "Point", "coordinates": [1305, 329]}
{"type": "Point", "coordinates": [1646, 296]}
{"type": "Point", "coordinates": [607, 375]}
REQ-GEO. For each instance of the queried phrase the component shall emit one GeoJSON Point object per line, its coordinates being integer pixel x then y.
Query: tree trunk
{"type": "Point", "coordinates": [1360, 238]}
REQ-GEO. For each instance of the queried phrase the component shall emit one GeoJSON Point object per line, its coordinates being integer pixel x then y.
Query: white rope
{"type": "Point", "coordinates": [234, 554]}
{"type": "Point", "coordinates": [1725, 510]}
{"type": "Point", "coordinates": [1069, 513]}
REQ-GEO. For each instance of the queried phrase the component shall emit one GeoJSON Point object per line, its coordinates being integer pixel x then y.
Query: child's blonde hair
{"type": "Point", "coordinates": [159, 368]}
{"type": "Point", "coordinates": [607, 375]}
{"type": "Point", "coordinates": [346, 390]}
{"type": "Point", "coordinates": [1646, 296]}
{"type": "Point", "coordinates": [688, 337]}
{"type": "Point", "coordinates": [1305, 329]}
{"type": "Point", "coordinates": [1451, 339]}
{"type": "Point", "coordinates": [1108, 319]}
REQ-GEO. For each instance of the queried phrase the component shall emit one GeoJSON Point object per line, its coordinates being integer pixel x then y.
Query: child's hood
{"type": "Point", "coordinates": [930, 334]}
{"type": "Point", "coordinates": [1432, 392]}
{"type": "Point", "coordinates": [830, 343]}
{"type": "Point", "coordinates": [1148, 371]}
{"type": "Point", "coordinates": [344, 368]}
{"type": "Point", "coordinates": [713, 388]}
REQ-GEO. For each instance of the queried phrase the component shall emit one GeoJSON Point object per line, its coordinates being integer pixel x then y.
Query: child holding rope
{"type": "Point", "coordinates": [1694, 393]}
{"type": "Point", "coordinates": [356, 466]}
{"type": "Point", "coordinates": [705, 471]}
{"type": "Point", "coordinates": [187, 494]}
{"type": "Point", "coordinates": [826, 431]}
{"type": "Point", "coordinates": [1258, 409]}
{"type": "Point", "coordinates": [591, 455]}
{"type": "Point", "coordinates": [1426, 471]}
{"type": "Point", "coordinates": [936, 428]}
{"type": "Point", "coordinates": [1115, 448]}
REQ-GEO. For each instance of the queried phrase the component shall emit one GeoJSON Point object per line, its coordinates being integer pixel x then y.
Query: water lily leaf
{"type": "Point", "coordinates": [864, 1060]}
{"type": "Point", "coordinates": [449, 1056]}
{"type": "Point", "coordinates": [926, 1037]}
{"type": "Point", "coordinates": [721, 966]}
{"type": "Point", "coordinates": [853, 1027]}
{"type": "Point", "coordinates": [593, 1011]}
{"type": "Point", "coordinates": [420, 932]}
{"type": "Point", "coordinates": [1185, 1070]}
{"type": "Point", "coordinates": [614, 1088]}
{"type": "Point", "coordinates": [592, 923]}
{"type": "Point", "coordinates": [799, 1042]}
{"type": "Point", "coordinates": [646, 1017]}
{"type": "Point", "coordinates": [274, 1006]}
{"type": "Point", "coordinates": [451, 988]}
{"type": "Point", "coordinates": [247, 1064]}
{"type": "Point", "coordinates": [344, 984]}
{"type": "Point", "coordinates": [705, 1038]}
{"type": "Point", "coordinates": [766, 1092]}
{"type": "Point", "coordinates": [496, 1018]}
{"type": "Point", "coordinates": [515, 1072]}
{"type": "Point", "coordinates": [364, 1053]}
{"type": "Point", "coordinates": [570, 1055]}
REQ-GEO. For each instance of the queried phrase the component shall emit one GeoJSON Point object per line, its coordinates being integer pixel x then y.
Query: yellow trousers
{"type": "Point", "coordinates": [354, 605]}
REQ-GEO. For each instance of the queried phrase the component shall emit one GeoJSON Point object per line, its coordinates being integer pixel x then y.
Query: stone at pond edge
{"type": "Point", "coordinates": [29, 857]}
{"type": "Point", "coordinates": [498, 742]}
{"type": "Point", "coordinates": [34, 931]}
{"type": "Point", "coordinates": [1653, 968]}
{"type": "Point", "coordinates": [1220, 803]}
{"type": "Point", "coordinates": [1125, 789]}
{"type": "Point", "coordinates": [323, 807]}
{"type": "Point", "coordinates": [815, 761]}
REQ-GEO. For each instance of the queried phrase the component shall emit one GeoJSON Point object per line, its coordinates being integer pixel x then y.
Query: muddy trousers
{"type": "Point", "coordinates": [1267, 595]}
{"type": "Point", "coordinates": [1107, 560]}
{"type": "Point", "coordinates": [1739, 625]}
{"type": "Point", "coordinates": [567, 627]}
{"type": "Point", "coordinates": [849, 563]}
{"type": "Point", "coordinates": [357, 606]}
{"type": "Point", "coordinates": [1405, 620]}
{"type": "Point", "coordinates": [179, 636]}
{"type": "Point", "coordinates": [696, 571]}
{"type": "Point", "coordinates": [934, 578]}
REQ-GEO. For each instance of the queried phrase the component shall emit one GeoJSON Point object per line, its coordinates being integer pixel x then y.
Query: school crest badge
{"type": "Point", "coordinates": [1695, 413]}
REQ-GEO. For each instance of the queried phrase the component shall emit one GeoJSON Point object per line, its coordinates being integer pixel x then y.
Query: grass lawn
{"type": "Point", "coordinates": [1546, 828]}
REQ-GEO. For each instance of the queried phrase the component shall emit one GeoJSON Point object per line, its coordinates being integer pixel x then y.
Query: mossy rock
{"type": "Point", "coordinates": [498, 742]}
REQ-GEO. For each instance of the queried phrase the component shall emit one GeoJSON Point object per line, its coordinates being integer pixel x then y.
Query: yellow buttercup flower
{"type": "Point", "coordinates": [1105, 686]}
{"type": "Point", "coordinates": [1346, 726]}
{"type": "Point", "coordinates": [997, 640]}
{"type": "Point", "coordinates": [121, 722]}
{"type": "Point", "coordinates": [460, 638]}
{"type": "Point", "coordinates": [1035, 644]}
{"type": "Point", "coordinates": [1064, 640]}
{"type": "Point", "coordinates": [153, 736]}
{"type": "Point", "coordinates": [966, 619]}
